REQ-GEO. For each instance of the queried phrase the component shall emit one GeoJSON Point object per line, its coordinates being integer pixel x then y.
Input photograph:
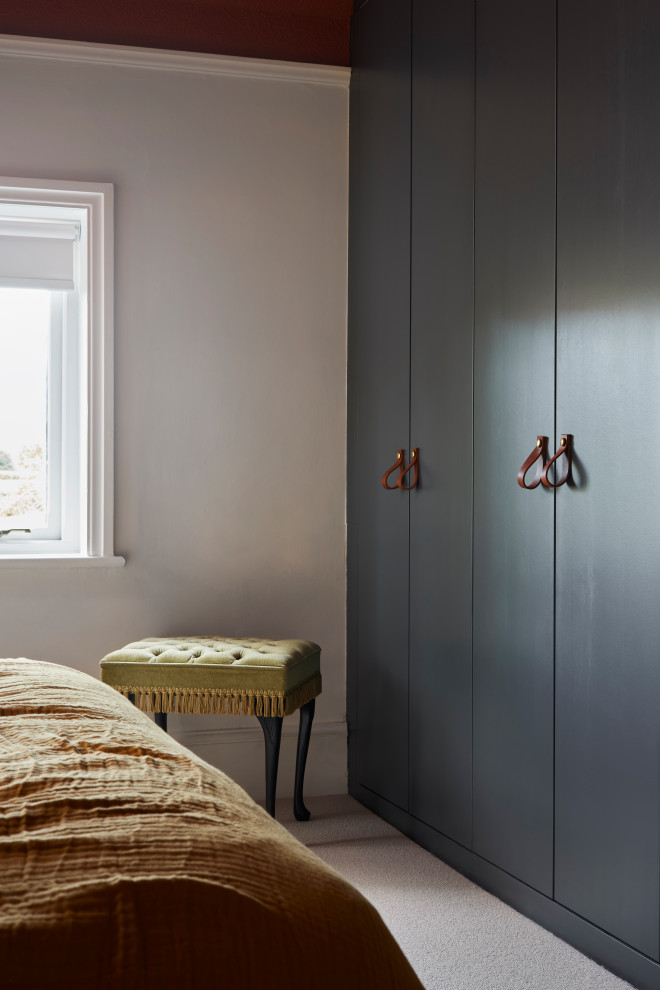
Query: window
{"type": "Point", "coordinates": [56, 460]}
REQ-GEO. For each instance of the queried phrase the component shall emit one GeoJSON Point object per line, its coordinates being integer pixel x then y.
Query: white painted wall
{"type": "Point", "coordinates": [231, 230]}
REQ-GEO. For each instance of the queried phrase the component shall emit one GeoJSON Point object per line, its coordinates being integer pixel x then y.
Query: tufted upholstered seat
{"type": "Point", "coordinates": [217, 675]}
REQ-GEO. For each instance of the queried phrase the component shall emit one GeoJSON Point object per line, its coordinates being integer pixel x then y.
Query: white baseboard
{"type": "Point", "coordinates": [239, 752]}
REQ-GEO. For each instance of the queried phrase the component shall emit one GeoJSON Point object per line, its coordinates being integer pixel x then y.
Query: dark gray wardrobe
{"type": "Point", "coordinates": [504, 644]}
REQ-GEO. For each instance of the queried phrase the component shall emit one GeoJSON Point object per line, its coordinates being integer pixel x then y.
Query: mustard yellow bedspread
{"type": "Point", "coordinates": [126, 861]}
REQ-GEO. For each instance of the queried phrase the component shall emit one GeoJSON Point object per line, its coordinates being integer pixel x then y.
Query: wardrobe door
{"type": "Point", "coordinates": [608, 520]}
{"type": "Point", "coordinates": [514, 402]}
{"type": "Point", "coordinates": [441, 416]}
{"type": "Point", "coordinates": [379, 388]}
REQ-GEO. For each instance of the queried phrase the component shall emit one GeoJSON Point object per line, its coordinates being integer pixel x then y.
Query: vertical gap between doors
{"type": "Point", "coordinates": [474, 319]}
{"type": "Point", "coordinates": [410, 357]}
{"type": "Point", "coordinates": [554, 493]}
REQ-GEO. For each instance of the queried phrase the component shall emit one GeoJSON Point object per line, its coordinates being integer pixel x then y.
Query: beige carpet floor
{"type": "Point", "coordinates": [456, 936]}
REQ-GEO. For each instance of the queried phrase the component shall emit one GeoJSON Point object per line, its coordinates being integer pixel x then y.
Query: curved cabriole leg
{"type": "Point", "coordinates": [304, 732]}
{"type": "Point", "coordinates": [272, 726]}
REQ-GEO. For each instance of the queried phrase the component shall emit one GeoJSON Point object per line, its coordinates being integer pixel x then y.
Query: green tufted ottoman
{"type": "Point", "coordinates": [215, 675]}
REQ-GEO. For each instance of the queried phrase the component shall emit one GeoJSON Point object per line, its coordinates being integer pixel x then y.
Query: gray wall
{"type": "Point", "coordinates": [230, 341]}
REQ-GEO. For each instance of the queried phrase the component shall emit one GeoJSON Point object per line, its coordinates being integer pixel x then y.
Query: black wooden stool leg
{"type": "Point", "coordinates": [160, 717]}
{"type": "Point", "coordinates": [304, 732]}
{"type": "Point", "coordinates": [272, 726]}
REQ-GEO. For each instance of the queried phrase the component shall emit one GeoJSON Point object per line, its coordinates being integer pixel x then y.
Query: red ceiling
{"type": "Point", "coordinates": [295, 30]}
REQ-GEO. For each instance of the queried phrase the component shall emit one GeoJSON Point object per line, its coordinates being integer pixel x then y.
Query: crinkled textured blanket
{"type": "Point", "coordinates": [126, 861]}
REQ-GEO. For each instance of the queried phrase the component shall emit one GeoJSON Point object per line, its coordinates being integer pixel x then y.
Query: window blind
{"type": "Point", "coordinates": [37, 253]}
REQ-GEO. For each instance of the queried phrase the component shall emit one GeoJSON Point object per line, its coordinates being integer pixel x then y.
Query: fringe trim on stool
{"type": "Point", "coordinates": [303, 694]}
{"type": "Point", "coordinates": [221, 701]}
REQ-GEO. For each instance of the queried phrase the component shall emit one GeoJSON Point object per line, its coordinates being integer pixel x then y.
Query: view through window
{"type": "Point", "coordinates": [56, 324]}
{"type": "Point", "coordinates": [25, 458]}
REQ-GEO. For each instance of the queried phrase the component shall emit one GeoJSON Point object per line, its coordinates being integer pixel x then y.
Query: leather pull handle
{"type": "Point", "coordinates": [397, 466]}
{"type": "Point", "coordinates": [539, 454]}
{"type": "Point", "coordinates": [565, 451]}
{"type": "Point", "coordinates": [414, 467]}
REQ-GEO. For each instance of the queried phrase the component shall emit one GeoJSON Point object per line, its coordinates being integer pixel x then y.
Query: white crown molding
{"type": "Point", "coordinates": [156, 58]}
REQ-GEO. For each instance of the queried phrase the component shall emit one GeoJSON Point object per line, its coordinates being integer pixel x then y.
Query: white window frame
{"type": "Point", "coordinates": [94, 540]}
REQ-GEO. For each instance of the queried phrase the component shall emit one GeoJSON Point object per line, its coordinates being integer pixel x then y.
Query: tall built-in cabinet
{"type": "Point", "coordinates": [504, 643]}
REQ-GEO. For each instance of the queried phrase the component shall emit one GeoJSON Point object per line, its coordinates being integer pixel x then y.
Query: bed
{"type": "Point", "coordinates": [129, 862]}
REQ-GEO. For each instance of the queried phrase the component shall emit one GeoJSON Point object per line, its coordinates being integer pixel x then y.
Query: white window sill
{"type": "Point", "coordinates": [58, 560]}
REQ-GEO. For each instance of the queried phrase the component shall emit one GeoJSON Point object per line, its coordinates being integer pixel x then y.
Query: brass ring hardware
{"type": "Point", "coordinates": [538, 456]}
